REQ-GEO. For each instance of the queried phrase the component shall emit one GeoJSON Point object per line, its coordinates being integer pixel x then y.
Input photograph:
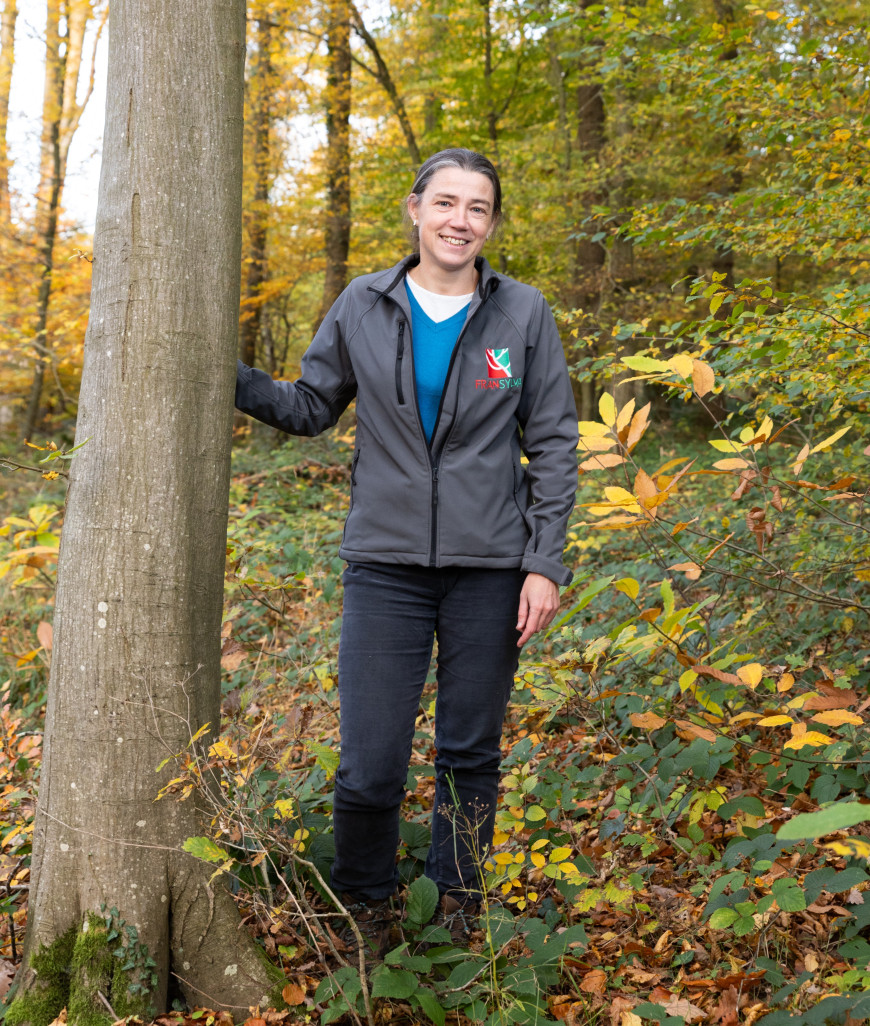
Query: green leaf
{"type": "Point", "coordinates": [428, 1004]}
{"type": "Point", "coordinates": [645, 364]}
{"type": "Point", "coordinates": [327, 758]}
{"type": "Point", "coordinates": [789, 895]}
{"type": "Point", "coordinates": [810, 825]}
{"type": "Point", "coordinates": [204, 848]}
{"type": "Point", "coordinates": [722, 918]}
{"type": "Point", "coordinates": [464, 973]}
{"type": "Point", "coordinates": [422, 901]}
{"type": "Point", "coordinates": [393, 983]}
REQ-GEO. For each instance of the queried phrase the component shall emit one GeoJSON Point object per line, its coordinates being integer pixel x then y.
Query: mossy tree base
{"type": "Point", "coordinates": [87, 973]}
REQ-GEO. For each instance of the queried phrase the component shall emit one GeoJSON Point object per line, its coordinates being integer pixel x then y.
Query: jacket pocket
{"type": "Point", "coordinates": [400, 356]}
{"type": "Point", "coordinates": [521, 493]}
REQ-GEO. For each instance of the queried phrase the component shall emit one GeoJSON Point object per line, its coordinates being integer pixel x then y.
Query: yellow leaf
{"type": "Point", "coordinates": [851, 846]}
{"type": "Point", "coordinates": [751, 674]}
{"type": "Point", "coordinates": [221, 750]}
{"type": "Point", "coordinates": [620, 496]}
{"type": "Point", "coordinates": [592, 428]}
{"type": "Point", "coordinates": [625, 415]}
{"type": "Point", "coordinates": [703, 378]}
{"type": "Point", "coordinates": [607, 409]}
{"type": "Point", "coordinates": [682, 364]}
{"type": "Point", "coordinates": [499, 837]}
{"type": "Point", "coordinates": [538, 860]}
{"type": "Point", "coordinates": [812, 738]}
{"type": "Point", "coordinates": [726, 445]}
{"type": "Point", "coordinates": [736, 463]}
{"type": "Point", "coordinates": [284, 807]}
{"type": "Point", "coordinates": [837, 718]}
{"type": "Point", "coordinates": [591, 444]}
{"type": "Point", "coordinates": [687, 679]}
{"type": "Point", "coordinates": [28, 657]}
{"type": "Point", "coordinates": [775, 721]}
{"type": "Point", "coordinates": [829, 441]}
{"type": "Point", "coordinates": [802, 458]}
{"type": "Point", "coordinates": [628, 586]}
{"type": "Point", "coordinates": [603, 461]}
{"type": "Point", "coordinates": [560, 854]}
{"type": "Point", "coordinates": [785, 682]}
{"type": "Point", "coordinates": [503, 858]}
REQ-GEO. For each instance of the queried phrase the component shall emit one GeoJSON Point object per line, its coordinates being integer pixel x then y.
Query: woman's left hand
{"type": "Point", "coordinates": [539, 603]}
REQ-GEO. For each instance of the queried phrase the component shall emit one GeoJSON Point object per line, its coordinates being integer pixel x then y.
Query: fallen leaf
{"type": "Point", "coordinates": [594, 982]}
{"type": "Point", "coordinates": [293, 994]}
{"type": "Point", "coordinates": [684, 1008]}
{"type": "Point", "coordinates": [726, 1011]}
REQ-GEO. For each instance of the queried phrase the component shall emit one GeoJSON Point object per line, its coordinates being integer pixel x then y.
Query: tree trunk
{"type": "Point", "coordinates": [47, 203]}
{"type": "Point", "coordinates": [337, 241]}
{"type": "Point", "coordinates": [60, 119]}
{"type": "Point", "coordinates": [385, 79]}
{"type": "Point", "coordinates": [135, 670]}
{"type": "Point", "coordinates": [7, 63]}
{"type": "Point", "coordinates": [260, 87]}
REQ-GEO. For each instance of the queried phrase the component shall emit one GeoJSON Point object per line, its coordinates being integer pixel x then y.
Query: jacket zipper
{"type": "Point", "coordinates": [400, 355]}
{"type": "Point", "coordinates": [433, 461]}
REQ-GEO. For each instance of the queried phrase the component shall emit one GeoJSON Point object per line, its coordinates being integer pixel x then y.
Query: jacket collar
{"type": "Point", "coordinates": [390, 280]}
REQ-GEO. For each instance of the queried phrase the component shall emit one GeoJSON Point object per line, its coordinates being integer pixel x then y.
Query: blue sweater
{"type": "Point", "coordinates": [433, 345]}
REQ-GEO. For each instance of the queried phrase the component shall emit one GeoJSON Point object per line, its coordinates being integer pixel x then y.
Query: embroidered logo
{"type": "Point", "coordinates": [498, 369]}
{"type": "Point", "coordinates": [498, 363]}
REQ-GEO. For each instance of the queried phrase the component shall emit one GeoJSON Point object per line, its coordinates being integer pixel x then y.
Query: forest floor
{"type": "Point", "coordinates": [636, 875]}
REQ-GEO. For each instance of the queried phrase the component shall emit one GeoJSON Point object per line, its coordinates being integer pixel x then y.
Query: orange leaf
{"type": "Point", "coordinates": [785, 682]}
{"type": "Point", "coordinates": [691, 570]}
{"type": "Point", "coordinates": [293, 994]}
{"type": "Point", "coordinates": [594, 982]}
{"type": "Point", "coordinates": [702, 377]}
{"type": "Point", "coordinates": [602, 462]}
{"type": "Point", "coordinates": [44, 634]}
{"type": "Point", "coordinates": [751, 674]}
{"type": "Point", "coordinates": [695, 731]}
{"type": "Point", "coordinates": [647, 720]}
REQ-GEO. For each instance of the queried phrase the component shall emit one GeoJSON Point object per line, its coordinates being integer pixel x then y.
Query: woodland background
{"type": "Point", "coordinates": [685, 181]}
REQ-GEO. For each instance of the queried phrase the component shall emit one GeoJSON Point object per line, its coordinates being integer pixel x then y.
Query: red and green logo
{"type": "Point", "coordinates": [498, 363]}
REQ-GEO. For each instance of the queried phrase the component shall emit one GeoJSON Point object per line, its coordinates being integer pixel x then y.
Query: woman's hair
{"type": "Point", "coordinates": [465, 160]}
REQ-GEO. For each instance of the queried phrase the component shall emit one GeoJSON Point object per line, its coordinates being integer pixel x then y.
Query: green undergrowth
{"type": "Point", "coordinates": [703, 685]}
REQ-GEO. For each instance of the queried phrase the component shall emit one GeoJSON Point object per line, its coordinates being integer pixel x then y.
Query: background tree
{"type": "Point", "coordinates": [135, 671]}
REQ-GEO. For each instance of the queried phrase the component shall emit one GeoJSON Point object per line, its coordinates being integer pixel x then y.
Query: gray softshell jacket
{"type": "Point", "coordinates": [465, 499]}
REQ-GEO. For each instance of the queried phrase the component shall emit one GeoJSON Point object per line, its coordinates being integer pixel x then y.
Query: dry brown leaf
{"type": "Point", "coordinates": [683, 1007]}
{"type": "Point", "coordinates": [621, 1012]}
{"type": "Point", "coordinates": [7, 975]}
{"type": "Point", "coordinates": [647, 720]}
{"type": "Point", "coordinates": [726, 1011]}
{"type": "Point", "coordinates": [693, 730]}
{"type": "Point", "coordinates": [829, 697]}
{"type": "Point", "coordinates": [594, 982]}
{"type": "Point", "coordinates": [45, 634]}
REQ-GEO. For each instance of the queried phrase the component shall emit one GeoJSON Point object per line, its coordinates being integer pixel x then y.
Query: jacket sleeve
{"type": "Point", "coordinates": [323, 391]}
{"type": "Point", "coordinates": [548, 420]}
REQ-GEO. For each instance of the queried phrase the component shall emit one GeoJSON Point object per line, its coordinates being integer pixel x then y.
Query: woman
{"type": "Point", "coordinates": [456, 371]}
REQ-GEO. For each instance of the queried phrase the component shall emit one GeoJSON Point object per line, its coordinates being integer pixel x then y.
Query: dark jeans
{"type": "Point", "coordinates": [391, 615]}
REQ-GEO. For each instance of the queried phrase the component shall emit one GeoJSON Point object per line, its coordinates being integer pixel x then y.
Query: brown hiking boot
{"type": "Point", "coordinates": [459, 919]}
{"type": "Point", "coordinates": [376, 921]}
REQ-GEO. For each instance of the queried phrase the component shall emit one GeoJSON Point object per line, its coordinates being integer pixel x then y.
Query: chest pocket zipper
{"type": "Point", "coordinates": [400, 355]}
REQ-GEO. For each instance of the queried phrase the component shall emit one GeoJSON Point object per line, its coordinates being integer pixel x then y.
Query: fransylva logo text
{"type": "Point", "coordinates": [498, 382]}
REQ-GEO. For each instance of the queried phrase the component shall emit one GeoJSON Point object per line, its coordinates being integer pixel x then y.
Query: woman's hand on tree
{"type": "Point", "coordinates": [539, 603]}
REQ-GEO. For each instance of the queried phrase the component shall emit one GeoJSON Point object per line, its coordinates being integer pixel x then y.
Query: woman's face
{"type": "Point", "coordinates": [454, 216]}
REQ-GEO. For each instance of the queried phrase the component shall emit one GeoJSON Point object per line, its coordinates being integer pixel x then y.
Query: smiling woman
{"type": "Point", "coordinates": [447, 534]}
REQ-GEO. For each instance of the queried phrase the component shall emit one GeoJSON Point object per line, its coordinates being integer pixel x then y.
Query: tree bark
{"type": "Point", "coordinates": [260, 86]}
{"type": "Point", "coordinates": [47, 204]}
{"type": "Point", "coordinates": [7, 63]}
{"type": "Point", "coordinates": [338, 89]}
{"type": "Point", "coordinates": [383, 76]}
{"type": "Point", "coordinates": [135, 669]}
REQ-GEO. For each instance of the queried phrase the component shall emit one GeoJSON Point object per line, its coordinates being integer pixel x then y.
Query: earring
{"type": "Point", "coordinates": [415, 224]}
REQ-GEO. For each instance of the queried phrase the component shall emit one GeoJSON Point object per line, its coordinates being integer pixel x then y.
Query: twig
{"type": "Point", "coordinates": [105, 1001]}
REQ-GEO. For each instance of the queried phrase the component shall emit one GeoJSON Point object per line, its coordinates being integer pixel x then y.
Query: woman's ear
{"type": "Point", "coordinates": [412, 207]}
